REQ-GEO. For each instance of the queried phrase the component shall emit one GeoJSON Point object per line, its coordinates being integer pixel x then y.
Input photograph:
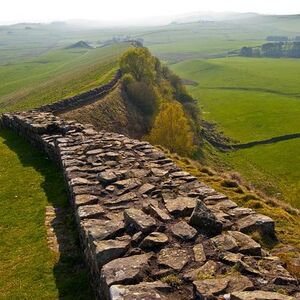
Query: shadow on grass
{"type": "Point", "coordinates": [70, 272]}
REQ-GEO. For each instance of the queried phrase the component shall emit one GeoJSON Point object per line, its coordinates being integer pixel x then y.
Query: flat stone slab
{"type": "Point", "coordinates": [209, 288]}
{"type": "Point", "coordinates": [154, 239]}
{"type": "Point", "coordinates": [101, 229]}
{"type": "Point", "coordinates": [184, 231]}
{"type": "Point", "coordinates": [146, 290]}
{"type": "Point", "coordinates": [108, 250]}
{"type": "Point", "coordinates": [245, 243]}
{"type": "Point", "coordinates": [259, 295]}
{"type": "Point", "coordinates": [139, 220]}
{"type": "Point", "coordinates": [85, 199]}
{"type": "Point", "coordinates": [174, 258]}
{"type": "Point", "coordinates": [180, 206]}
{"type": "Point", "coordinates": [90, 211]}
{"type": "Point", "coordinates": [225, 242]}
{"type": "Point", "coordinates": [127, 270]}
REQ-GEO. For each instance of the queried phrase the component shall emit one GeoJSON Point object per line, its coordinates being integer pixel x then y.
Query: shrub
{"type": "Point", "coordinates": [171, 129]}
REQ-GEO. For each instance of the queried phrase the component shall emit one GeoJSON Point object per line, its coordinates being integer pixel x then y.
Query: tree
{"type": "Point", "coordinates": [171, 129]}
{"type": "Point", "coordinates": [139, 63]}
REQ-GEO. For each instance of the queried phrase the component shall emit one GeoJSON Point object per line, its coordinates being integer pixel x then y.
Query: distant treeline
{"type": "Point", "coordinates": [277, 49]}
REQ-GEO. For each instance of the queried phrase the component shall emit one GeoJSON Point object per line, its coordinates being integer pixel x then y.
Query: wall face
{"type": "Point", "coordinates": [81, 99]}
{"type": "Point", "coordinates": [149, 230]}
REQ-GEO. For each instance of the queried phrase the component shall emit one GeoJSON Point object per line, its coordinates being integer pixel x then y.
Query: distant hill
{"type": "Point", "coordinates": [80, 44]}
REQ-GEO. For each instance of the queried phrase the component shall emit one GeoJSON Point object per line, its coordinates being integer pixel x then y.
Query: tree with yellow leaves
{"type": "Point", "coordinates": [171, 129]}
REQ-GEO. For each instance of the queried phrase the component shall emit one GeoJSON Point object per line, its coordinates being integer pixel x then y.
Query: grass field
{"type": "Point", "coordinates": [253, 99]}
{"type": "Point", "coordinates": [29, 270]}
{"type": "Point", "coordinates": [56, 75]}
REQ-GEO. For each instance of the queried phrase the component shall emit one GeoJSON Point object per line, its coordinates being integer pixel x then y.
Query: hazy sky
{"type": "Point", "coordinates": [120, 10]}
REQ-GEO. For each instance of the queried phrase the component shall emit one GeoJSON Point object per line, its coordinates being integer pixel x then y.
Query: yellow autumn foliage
{"type": "Point", "coordinates": [172, 130]}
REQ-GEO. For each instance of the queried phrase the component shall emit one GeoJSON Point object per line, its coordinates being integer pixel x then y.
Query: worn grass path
{"type": "Point", "coordinates": [29, 269]}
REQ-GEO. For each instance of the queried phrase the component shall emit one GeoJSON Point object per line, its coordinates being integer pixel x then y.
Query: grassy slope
{"type": "Point", "coordinates": [29, 270]}
{"type": "Point", "coordinates": [55, 75]}
{"type": "Point", "coordinates": [247, 112]}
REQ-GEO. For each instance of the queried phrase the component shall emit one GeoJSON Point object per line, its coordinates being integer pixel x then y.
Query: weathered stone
{"type": "Point", "coordinates": [159, 172]}
{"type": "Point", "coordinates": [231, 258]}
{"type": "Point", "coordinates": [180, 206]}
{"type": "Point", "coordinates": [144, 290]}
{"type": "Point", "coordinates": [128, 184]}
{"type": "Point", "coordinates": [246, 244]}
{"type": "Point", "coordinates": [139, 220]}
{"type": "Point", "coordinates": [237, 283]}
{"type": "Point", "coordinates": [155, 211]}
{"type": "Point", "coordinates": [146, 188]}
{"type": "Point", "coordinates": [107, 177]}
{"type": "Point", "coordinates": [128, 197]}
{"type": "Point", "coordinates": [85, 199]}
{"type": "Point", "coordinates": [81, 181]}
{"type": "Point", "coordinates": [102, 229]}
{"type": "Point", "coordinates": [154, 239]}
{"type": "Point", "coordinates": [90, 211]}
{"type": "Point", "coordinates": [259, 295]}
{"type": "Point", "coordinates": [174, 258]}
{"type": "Point", "coordinates": [184, 231]}
{"type": "Point", "coordinates": [225, 242]}
{"type": "Point", "coordinates": [199, 253]}
{"type": "Point", "coordinates": [127, 270]}
{"type": "Point", "coordinates": [254, 222]}
{"type": "Point", "coordinates": [203, 219]}
{"type": "Point", "coordinates": [207, 289]}
{"type": "Point", "coordinates": [208, 270]}
{"type": "Point", "coordinates": [108, 250]}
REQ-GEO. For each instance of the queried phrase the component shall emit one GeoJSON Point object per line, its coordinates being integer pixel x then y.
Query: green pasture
{"type": "Point", "coordinates": [29, 269]}
{"type": "Point", "coordinates": [253, 99]}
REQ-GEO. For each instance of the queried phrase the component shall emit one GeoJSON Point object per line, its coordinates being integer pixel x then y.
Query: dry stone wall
{"type": "Point", "coordinates": [81, 99]}
{"type": "Point", "coordinates": [150, 230]}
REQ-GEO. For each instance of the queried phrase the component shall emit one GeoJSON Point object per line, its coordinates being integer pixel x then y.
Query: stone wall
{"type": "Point", "coordinates": [150, 230]}
{"type": "Point", "coordinates": [81, 99]}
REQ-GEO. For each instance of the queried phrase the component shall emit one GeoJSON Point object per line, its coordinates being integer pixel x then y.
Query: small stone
{"type": "Point", "coordinates": [90, 211]}
{"type": "Point", "coordinates": [231, 258]}
{"type": "Point", "coordinates": [237, 283]}
{"type": "Point", "coordinates": [146, 188]}
{"type": "Point", "coordinates": [180, 206]}
{"type": "Point", "coordinates": [174, 258]}
{"type": "Point", "coordinates": [128, 184]}
{"type": "Point", "coordinates": [110, 188]}
{"type": "Point", "coordinates": [107, 177]}
{"type": "Point", "coordinates": [159, 172]}
{"type": "Point", "coordinates": [154, 239]}
{"type": "Point", "coordinates": [184, 231]}
{"type": "Point", "coordinates": [109, 250]}
{"type": "Point", "coordinates": [139, 220]}
{"type": "Point", "coordinates": [144, 290]}
{"type": "Point", "coordinates": [94, 152]}
{"type": "Point", "coordinates": [205, 220]}
{"type": "Point", "coordinates": [199, 253]}
{"type": "Point", "coordinates": [101, 229]}
{"type": "Point", "coordinates": [208, 270]}
{"type": "Point", "coordinates": [85, 199]}
{"type": "Point", "coordinates": [126, 270]}
{"type": "Point", "coordinates": [225, 242]}
{"type": "Point", "coordinates": [259, 295]}
{"type": "Point", "coordinates": [155, 211]}
{"type": "Point", "coordinates": [80, 181]}
{"type": "Point", "coordinates": [209, 288]}
{"type": "Point", "coordinates": [128, 197]}
{"type": "Point", "coordinates": [258, 222]}
{"type": "Point", "coordinates": [246, 244]}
